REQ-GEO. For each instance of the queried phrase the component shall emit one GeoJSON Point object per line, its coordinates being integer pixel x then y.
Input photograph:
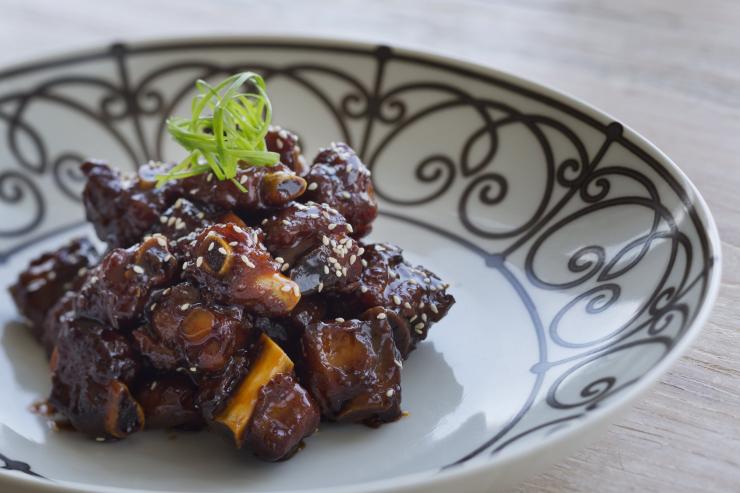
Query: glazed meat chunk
{"type": "Point", "coordinates": [93, 367]}
{"type": "Point", "coordinates": [265, 187]}
{"type": "Point", "coordinates": [48, 277]}
{"type": "Point", "coordinates": [168, 401]}
{"type": "Point", "coordinates": [415, 297]}
{"type": "Point", "coordinates": [338, 178]}
{"type": "Point", "coordinates": [124, 207]}
{"type": "Point", "coordinates": [352, 368]}
{"type": "Point", "coordinates": [115, 291]}
{"type": "Point", "coordinates": [314, 245]}
{"type": "Point", "coordinates": [185, 332]}
{"type": "Point", "coordinates": [283, 416]}
{"type": "Point", "coordinates": [285, 143]}
{"type": "Point", "coordinates": [233, 266]}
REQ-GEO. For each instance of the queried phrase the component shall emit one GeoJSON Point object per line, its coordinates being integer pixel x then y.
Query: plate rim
{"type": "Point", "coordinates": [472, 470]}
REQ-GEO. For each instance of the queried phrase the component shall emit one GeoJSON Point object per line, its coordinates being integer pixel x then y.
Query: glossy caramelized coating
{"type": "Point", "coordinates": [265, 187]}
{"type": "Point", "coordinates": [180, 219]}
{"type": "Point", "coordinates": [124, 207]}
{"type": "Point", "coordinates": [314, 244]}
{"type": "Point", "coordinates": [116, 290]}
{"type": "Point", "coordinates": [352, 368]}
{"type": "Point", "coordinates": [168, 401]}
{"type": "Point", "coordinates": [284, 415]}
{"type": "Point", "coordinates": [59, 315]}
{"type": "Point", "coordinates": [48, 277]}
{"type": "Point", "coordinates": [414, 297]}
{"type": "Point", "coordinates": [187, 333]}
{"type": "Point", "coordinates": [93, 367]}
{"type": "Point", "coordinates": [285, 143]}
{"type": "Point", "coordinates": [233, 267]}
{"type": "Point", "coordinates": [338, 178]}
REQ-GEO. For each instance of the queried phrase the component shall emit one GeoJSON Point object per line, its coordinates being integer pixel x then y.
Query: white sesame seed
{"type": "Point", "coordinates": [248, 263]}
{"type": "Point", "coordinates": [424, 317]}
{"type": "Point", "coordinates": [421, 305]}
{"type": "Point", "coordinates": [284, 267]}
{"type": "Point", "coordinates": [286, 288]}
{"type": "Point", "coordinates": [326, 269]}
{"type": "Point", "coordinates": [82, 271]}
{"type": "Point", "coordinates": [264, 221]}
{"type": "Point", "coordinates": [162, 219]}
{"type": "Point", "coordinates": [161, 242]}
{"type": "Point", "coordinates": [398, 363]}
{"type": "Point", "coordinates": [363, 289]}
{"type": "Point", "coordinates": [364, 262]}
{"type": "Point", "coordinates": [243, 179]}
{"type": "Point", "coordinates": [313, 186]}
{"type": "Point", "coordinates": [381, 316]}
{"type": "Point", "coordinates": [379, 248]}
{"type": "Point", "coordinates": [396, 299]}
{"type": "Point", "coordinates": [185, 265]}
{"type": "Point", "coordinates": [167, 291]}
{"type": "Point", "coordinates": [345, 195]}
{"type": "Point", "coordinates": [350, 228]}
{"type": "Point", "coordinates": [360, 251]}
{"type": "Point", "coordinates": [138, 269]}
{"type": "Point", "coordinates": [199, 262]}
{"type": "Point", "coordinates": [407, 305]}
{"type": "Point", "coordinates": [153, 306]}
{"type": "Point", "coordinates": [390, 393]}
{"type": "Point", "coordinates": [171, 220]}
{"type": "Point", "coordinates": [325, 241]}
{"type": "Point", "coordinates": [99, 439]}
{"type": "Point", "coordinates": [184, 306]}
{"type": "Point", "coordinates": [210, 247]}
{"type": "Point", "coordinates": [279, 260]}
{"type": "Point", "coordinates": [193, 369]}
{"type": "Point", "coordinates": [419, 326]}
{"type": "Point", "coordinates": [279, 144]}
{"type": "Point", "coordinates": [352, 259]}
{"type": "Point", "coordinates": [167, 257]}
{"type": "Point", "coordinates": [153, 385]}
{"type": "Point", "coordinates": [413, 318]}
{"type": "Point", "coordinates": [321, 287]}
{"type": "Point", "coordinates": [194, 191]}
{"type": "Point", "coordinates": [339, 319]}
{"type": "Point", "coordinates": [209, 177]}
{"type": "Point", "coordinates": [331, 260]}
{"type": "Point", "coordinates": [222, 251]}
{"type": "Point", "coordinates": [180, 224]}
{"type": "Point", "coordinates": [238, 229]}
{"type": "Point", "coordinates": [434, 308]}
{"type": "Point", "coordinates": [233, 243]}
{"type": "Point", "coordinates": [338, 273]}
{"type": "Point", "coordinates": [332, 226]}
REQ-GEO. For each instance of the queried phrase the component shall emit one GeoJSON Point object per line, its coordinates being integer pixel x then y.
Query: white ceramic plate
{"type": "Point", "coordinates": [582, 259]}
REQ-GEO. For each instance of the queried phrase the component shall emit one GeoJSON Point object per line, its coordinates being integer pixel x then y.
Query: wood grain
{"type": "Point", "coordinates": [669, 69]}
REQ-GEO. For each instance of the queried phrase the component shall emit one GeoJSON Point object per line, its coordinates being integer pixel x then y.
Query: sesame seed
{"type": "Point", "coordinates": [363, 289]}
{"type": "Point", "coordinates": [222, 251]}
{"type": "Point", "coordinates": [194, 191]}
{"type": "Point", "coordinates": [210, 247]}
{"type": "Point", "coordinates": [296, 290]}
{"type": "Point", "coordinates": [339, 319]}
{"type": "Point", "coordinates": [379, 248]}
{"type": "Point", "coordinates": [279, 144]}
{"type": "Point", "coordinates": [398, 363]}
{"type": "Point", "coordinates": [286, 288]}
{"type": "Point", "coordinates": [199, 262]}
{"type": "Point", "coordinates": [345, 195]}
{"type": "Point", "coordinates": [381, 316]}
{"type": "Point", "coordinates": [396, 299]}
{"type": "Point", "coordinates": [352, 259]}
{"type": "Point", "coordinates": [390, 393]}
{"type": "Point", "coordinates": [332, 226]}
{"type": "Point", "coordinates": [313, 216]}
{"type": "Point", "coordinates": [161, 241]}
{"type": "Point", "coordinates": [193, 369]}
{"type": "Point", "coordinates": [154, 305]}
{"type": "Point", "coordinates": [285, 267]}
{"type": "Point", "coordinates": [99, 439]}
{"type": "Point", "coordinates": [82, 271]}
{"type": "Point", "coordinates": [325, 241]}
{"type": "Point", "coordinates": [167, 291]}
{"type": "Point", "coordinates": [233, 243]}
{"type": "Point", "coordinates": [321, 286]}
{"type": "Point", "coordinates": [51, 275]}
{"type": "Point", "coordinates": [209, 177]}
{"type": "Point", "coordinates": [243, 179]}
{"type": "Point", "coordinates": [424, 317]}
{"type": "Point", "coordinates": [421, 305]}
{"type": "Point", "coordinates": [434, 308]}
{"type": "Point", "coordinates": [419, 326]}
{"type": "Point", "coordinates": [313, 186]}
{"type": "Point", "coordinates": [185, 265]}
{"type": "Point", "coordinates": [162, 219]}
{"type": "Point", "coordinates": [178, 203]}
{"type": "Point", "coordinates": [184, 306]}
{"type": "Point", "coordinates": [279, 260]}
{"type": "Point", "coordinates": [413, 318]}
{"type": "Point", "coordinates": [326, 269]}
{"type": "Point", "coordinates": [264, 221]}
{"type": "Point", "coordinates": [180, 224]}
{"type": "Point", "coordinates": [360, 251]}
{"type": "Point", "coordinates": [285, 222]}
{"type": "Point", "coordinates": [153, 386]}
{"type": "Point", "coordinates": [246, 260]}
{"type": "Point", "coordinates": [364, 262]}
{"type": "Point", "coordinates": [171, 221]}
{"type": "Point", "coordinates": [407, 305]}
{"type": "Point", "coordinates": [350, 228]}
{"type": "Point", "coordinates": [138, 269]}
{"type": "Point", "coordinates": [331, 260]}
{"type": "Point", "coordinates": [338, 273]}
{"type": "Point", "coordinates": [167, 257]}
{"type": "Point", "coordinates": [238, 229]}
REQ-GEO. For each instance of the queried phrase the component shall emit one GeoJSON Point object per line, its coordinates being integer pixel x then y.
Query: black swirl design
{"type": "Point", "coordinates": [376, 114]}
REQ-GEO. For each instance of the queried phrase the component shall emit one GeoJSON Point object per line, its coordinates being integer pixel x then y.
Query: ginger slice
{"type": "Point", "coordinates": [270, 362]}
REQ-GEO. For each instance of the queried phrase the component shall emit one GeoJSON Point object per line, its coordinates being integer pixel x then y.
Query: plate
{"type": "Point", "coordinates": [583, 260]}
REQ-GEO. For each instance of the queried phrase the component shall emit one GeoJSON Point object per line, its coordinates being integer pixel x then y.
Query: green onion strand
{"type": "Point", "coordinates": [232, 136]}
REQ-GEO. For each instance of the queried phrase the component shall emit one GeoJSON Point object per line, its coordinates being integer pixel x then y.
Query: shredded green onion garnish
{"type": "Point", "coordinates": [233, 134]}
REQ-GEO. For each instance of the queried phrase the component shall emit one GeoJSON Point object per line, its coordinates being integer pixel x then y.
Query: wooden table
{"type": "Point", "coordinates": [670, 69]}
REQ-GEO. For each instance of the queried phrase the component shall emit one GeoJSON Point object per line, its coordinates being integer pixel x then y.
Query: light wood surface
{"type": "Point", "coordinates": [669, 69]}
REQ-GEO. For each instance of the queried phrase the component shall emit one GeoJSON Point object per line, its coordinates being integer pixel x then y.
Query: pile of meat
{"type": "Point", "coordinates": [257, 313]}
